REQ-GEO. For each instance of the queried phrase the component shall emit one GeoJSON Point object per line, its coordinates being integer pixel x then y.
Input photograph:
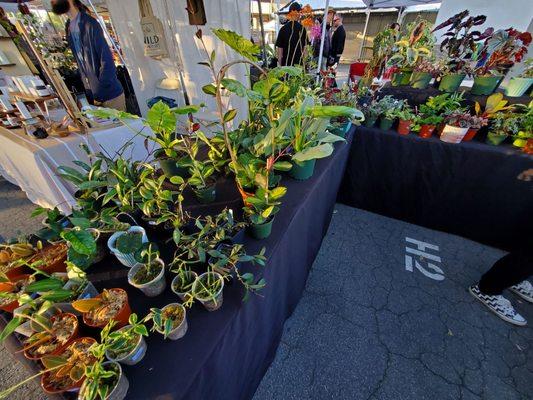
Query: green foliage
{"type": "Point", "coordinates": [242, 46]}
{"type": "Point", "coordinates": [129, 242]}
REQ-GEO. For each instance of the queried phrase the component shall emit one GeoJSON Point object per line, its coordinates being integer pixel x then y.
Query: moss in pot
{"type": "Point", "coordinates": [171, 321]}
{"type": "Point", "coordinates": [182, 284]}
{"type": "Point", "coordinates": [149, 274]}
{"type": "Point", "coordinates": [126, 345]}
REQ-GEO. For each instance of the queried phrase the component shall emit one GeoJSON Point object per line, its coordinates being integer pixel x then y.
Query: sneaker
{"type": "Point", "coordinates": [524, 290]}
{"type": "Point", "coordinates": [499, 305]}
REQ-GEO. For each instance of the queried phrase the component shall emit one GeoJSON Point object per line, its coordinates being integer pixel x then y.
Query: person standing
{"type": "Point", "coordinates": [93, 56]}
{"type": "Point", "coordinates": [292, 39]}
{"type": "Point", "coordinates": [338, 39]}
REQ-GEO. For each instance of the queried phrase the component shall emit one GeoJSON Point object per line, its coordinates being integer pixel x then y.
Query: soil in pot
{"type": "Point", "coordinates": [426, 131]}
{"type": "Point", "coordinates": [177, 314]}
{"type": "Point", "coordinates": [64, 328]}
{"type": "Point", "coordinates": [404, 127]}
{"type": "Point", "coordinates": [208, 290]}
{"type": "Point", "coordinates": [78, 356]}
{"type": "Point", "coordinates": [385, 123]}
{"type": "Point", "coordinates": [51, 258]}
{"type": "Point", "coordinates": [149, 279]}
{"type": "Point", "coordinates": [302, 170]}
{"type": "Point", "coordinates": [111, 304]}
{"type": "Point", "coordinates": [9, 303]}
{"type": "Point", "coordinates": [261, 231]}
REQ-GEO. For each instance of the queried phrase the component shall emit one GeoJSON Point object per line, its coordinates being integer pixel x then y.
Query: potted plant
{"type": "Point", "coordinates": [519, 85]}
{"type": "Point", "coordinates": [104, 381]}
{"type": "Point", "coordinates": [388, 107]}
{"type": "Point", "coordinates": [502, 125]}
{"type": "Point", "coordinates": [424, 71]}
{"type": "Point", "coordinates": [66, 371]}
{"type": "Point", "coordinates": [182, 284]}
{"type": "Point", "coordinates": [10, 292]}
{"type": "Point", "coordinates": [262, 208]}
{"type": "Point", "coordinates": [500, 51]}
{"type": "Point", "coordinates": [425, 124]}
{"type": "Point", "coordinates": [371, 112]}
{"type": "Point", "coordinates": [111, 304]}
{"type": "Point", "coordinates": [14, 255]}
{"type": "Point", "coordinates": [457, 124]}
{"type": "Point", "coordinates": [53, 337]}
{"type": "Point", "coordinates": [410, 49]}
{"type": "Point", "coordinates": [526, 128]}
{"type": "Point", "coordinates": [459, 46]}
{"type": "Point", "coordinates": [171, 321]}
{"type": "Point", "coordinates": [125, 244]}
{"type": "Point", "coordinates": [51, 257]}
{"type": "Point", "coordinates": [149, 273]}
{"type": "Point", "coordinates": [346, 97]}
{"type": "Point", "coordinates": [126, 345]}
{"type": "Point", "coordinates": [207, 289]}
{"type": "Point", "coordinates": [405, 120]}
{"type": "Point", "coordinates": [476, 123]}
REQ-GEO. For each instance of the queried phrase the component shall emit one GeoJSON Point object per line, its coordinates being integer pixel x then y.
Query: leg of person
{"type": "Point", "coordinates": [510, 271]}
{"type": "Point", "coordinates": [118, 103]}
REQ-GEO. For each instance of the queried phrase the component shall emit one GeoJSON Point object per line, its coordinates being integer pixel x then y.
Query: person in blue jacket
{"type": "Point", "coordinates": [93, 56]}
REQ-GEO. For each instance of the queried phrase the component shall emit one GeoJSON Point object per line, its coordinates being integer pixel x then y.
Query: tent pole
{"type": "Point", "coordinates": [364, 33]}
{"type": "Point", "coordinates": [323, 37]}
{"type": "Point", "coordinates": [278, 6]}
{"type": "Point", "coordinates": [263, 51]}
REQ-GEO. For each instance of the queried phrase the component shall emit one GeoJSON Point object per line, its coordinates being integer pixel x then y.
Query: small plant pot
{"type": "Point", "coordinates": [518, 86]}
{"type": "Point", "coordinates": [404, 127]}
{"type": "Point", "coordinates": [183, 295]}
{"type": "Point", "coordinates": [89, 291]}
{"type": "Point", "coordinates": [385, 123]}
{"type": "Point", "coordinates": [153, 288]}
{"type": "Point", "coordinates": [48, 388]}
{"type": "Point", "coordinates": [121, 317]}
{"type": "Point", "coordinates": [496, 138]}
{"type": "Point", "coordinates": [59, 349]}
{"type": "Point", "coordinates": [128, 260]}
{"type": "Point", "coordinates": [121, 388]}
{"type": "Point", "coordinates": [261, 231]}
{"type": "Point", "coordinates": [370, 122]}
{"type": "Point", "coordinates": [170, 168]}
{"type": "Point", "coordinates": [210, 303]}
{"type": "Point", "coordinates": [58, 263]}
{"type": "Point", "coordinates": [426, 131]}
{"type": "Point", "coordinates": [302, 170]}
{"type": "Point", "coordinates": [206, 195]}
{"type": "Point", "coordinates": [485, 85]}
{"type": "Point", "coordinates": [8, 287]}
{"type": "Point", "coordinates": [470, 134]}
{"type": "Point", "coordinates": [179, 331]}
{"type": "Point", "coordinates": [420, 80]}
{"type": "Point", "coordinates": [450, 83]}
{"type": "Point", "coordinates": [453, 134]}
{"type": "Point", "coordinates": [342, 129]}
{"type": "Point", "coordinates": [135, 356]}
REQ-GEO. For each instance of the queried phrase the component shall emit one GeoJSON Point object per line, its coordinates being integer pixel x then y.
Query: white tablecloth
{"type": "Point", "coordinates": [32, 163]}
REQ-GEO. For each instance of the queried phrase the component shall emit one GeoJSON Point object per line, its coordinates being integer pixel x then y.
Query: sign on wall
{"type": "Point", "coordinates": [155, 43]}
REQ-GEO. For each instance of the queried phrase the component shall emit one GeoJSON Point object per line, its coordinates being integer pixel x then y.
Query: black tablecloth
{"type": "Point", "coordinates": [225, 354]}
{"type": "Point", "coordinates": [469, 189]}
{"type": "Point", "coordinates": [415, 97]}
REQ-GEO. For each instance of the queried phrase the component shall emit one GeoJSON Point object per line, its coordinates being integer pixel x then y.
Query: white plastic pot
{"type": "Point", "coordinates": [211, 303]}
{"type": "Point", "coordinates": [453, 134]}
{"type": "Point", "coordinates": [153, 288]}
{"type": "Point", "coordinates": [135, 356]}
{"type": "Point", "coordinates": [179, 331]}
{"type": "Point", "coordinates": [128, 260]}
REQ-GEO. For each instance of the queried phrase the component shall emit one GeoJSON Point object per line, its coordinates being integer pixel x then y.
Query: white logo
{"type": "Point", "coordinates": [423, 257]}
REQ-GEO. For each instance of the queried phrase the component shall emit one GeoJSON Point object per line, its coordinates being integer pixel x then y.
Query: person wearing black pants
{"type": "Point", "coordinates": [509, 272]}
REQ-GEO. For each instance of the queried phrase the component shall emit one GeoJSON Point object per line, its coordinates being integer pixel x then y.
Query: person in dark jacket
{"type": "Point", "coordinates": [93, 56]}
{"type": "Point", "coordinates": [337, 40]}
{"type": "Point", "coordinates": [291, 40]}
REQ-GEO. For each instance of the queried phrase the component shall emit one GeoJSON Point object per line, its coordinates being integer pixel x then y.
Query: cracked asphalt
{"type": "Point", "coordinates": [366, 328]}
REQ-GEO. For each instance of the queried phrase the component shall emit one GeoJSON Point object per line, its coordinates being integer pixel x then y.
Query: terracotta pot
{"type": "Point", "coordinates": [48, 388]}
{"type": "Point", "coordinates": [61, 348]}
{"type": "Point", "coordinates": [58, 264]}
{"type": "Point", "coordinates": [121, 317]}
{"type": "Point", "coordinates": [426, 131]}
{"type": "Point", "coordinates": [8, 287]}
{"type": "Point", "coordinates": [470, 134]}
{"type": "Point", "coordinates": [404, 126]}
{"type": "Point", "coordinates": [15, 273]}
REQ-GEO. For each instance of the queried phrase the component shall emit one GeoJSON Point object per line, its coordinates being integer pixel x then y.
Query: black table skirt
{"type": "Point", "coordinates": [468, 189]}
{"type": "Point", "coordinates": [225, 354]}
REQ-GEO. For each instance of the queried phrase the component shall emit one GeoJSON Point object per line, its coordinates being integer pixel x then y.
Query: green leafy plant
{"type": "Point", "coordinates": [415, 45]}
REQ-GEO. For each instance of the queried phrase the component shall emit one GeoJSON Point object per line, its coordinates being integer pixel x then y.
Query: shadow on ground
{"type": "Point", "coordinates": [366, 328]}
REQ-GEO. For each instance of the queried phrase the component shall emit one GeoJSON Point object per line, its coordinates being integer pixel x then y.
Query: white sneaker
{"type": "Point", "coordinates": [499, 305]}
{"type": "Point", "coordinates": [524, 290]}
